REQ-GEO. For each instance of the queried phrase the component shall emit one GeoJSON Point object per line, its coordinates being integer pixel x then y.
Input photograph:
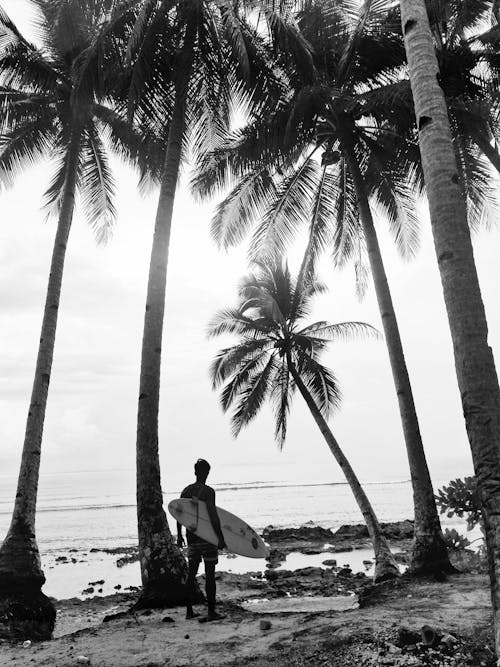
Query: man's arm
{"type": "Point", "coordinates": [180, 539]}
{"type": "Point", "coordinates": [214, 518]}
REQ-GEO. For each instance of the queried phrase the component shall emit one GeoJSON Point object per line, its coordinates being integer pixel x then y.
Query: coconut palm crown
{"type": "Point", "coordinates": [276, 354]}
{"type": "Point", "coordinates": [51, 105]}
{"type": "Point", "coordinates": [270, 324]}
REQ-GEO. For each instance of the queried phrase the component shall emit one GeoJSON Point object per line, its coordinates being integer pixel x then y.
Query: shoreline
{"type": "Point", "coordinates": [104, 571]}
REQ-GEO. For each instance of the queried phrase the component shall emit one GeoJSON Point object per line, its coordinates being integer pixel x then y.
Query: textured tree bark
{"type": "Point", "coordinates": [385, 565]}
{"type": "Point", "coordinates": [429, 552]}
{"type": "Point", "coordinates": [474, 363]}
{"type": "Point", "coordinates": [163, 568]}
{"type": "Point", "coordinates": [24, 610]}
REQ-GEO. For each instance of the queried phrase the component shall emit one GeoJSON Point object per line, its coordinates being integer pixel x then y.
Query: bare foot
{"type": "Point", "coordinates": [212, 616]}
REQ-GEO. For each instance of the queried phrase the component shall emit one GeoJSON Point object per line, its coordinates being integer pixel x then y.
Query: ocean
{"type": "Point", "coordinates": [81, 511]}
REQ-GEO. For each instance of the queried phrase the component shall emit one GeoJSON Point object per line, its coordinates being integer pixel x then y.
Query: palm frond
{"type": "Point", "coordinates": [96, 186]}
{"type": "Point", "coordinates": [367, 19]}
{"type": "Point", "coordinates": [22, 66]}
{"type": "Point", "coordinates": [320, 235]}
{"type": "Point", "coordinates": [234, 216]}
{"type": "Point", "coordinates": [252, 397]}
{"type": "Point", "coordinates": [287, 38]}
{"type": "Point", "coordinates": [476, 183]}
{"type": "Point", "coordinates": [53, 195]}
{"type": "Point", "coordinates": [150, 56]}
{"type": "Point", "coordinates": [234, 30]}
{"type": "Point", "coordinates": [24, 146]}
{"type": "Point", "coordinates": [257, 146]}
{"type": "Point", "coordinates": [321, 384]}
{"type": "Point", "coordinates": [304, 297]}
{"type": "Point", "coordinates": [18, 107]}
{"type": "Point", "coordinates": [281, 394]}
{"type": "Point", "coordinates": [109, 26]}
{"type": "Point", "coordinates": [240, 378]}
{"type": "Point", "coordinates": [386, 178]}
{"type": "Point", "coordinates": [211, 115]}
{"type": "Point", "coordinates": [347, 224]}
{"type": "Point", "coordinates": [228, 360]}
{"type": "Point", "coordinates": [341, 331]}
{"type": "Point", "coordinates": [362, 269]}
{"type": "Point", "coordinates": [269, 289]}
{"type": "Point", "coordinates": [138, 31]}
{"type": "Point", "coordinates": [286, 211]}
{"type": "Point", "coordinates": [138, 146]}
{"type": "Point", "coordinates": [234, 321]}
{"type": "Point", "coordinates": [467, 16]}
{"type": "Point", "coordinates": [63, 26]}
{"type": "Point", "coordinates": [9, 33]}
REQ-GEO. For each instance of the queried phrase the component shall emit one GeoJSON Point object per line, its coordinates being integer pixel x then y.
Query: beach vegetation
{"type": "Point", "coordinates": [460, 497]}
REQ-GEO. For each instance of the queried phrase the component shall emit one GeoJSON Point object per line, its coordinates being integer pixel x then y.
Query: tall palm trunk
{"type": "Point", "coordinates": [474, 363]}
{"type": "Point", "coordinates": [21, 576]}
{"type": "Point", "coordinates": [385, 565]}
{"type": "Point", "coordinates": [429, 552]}
{"type": "Point", "coordinates": [163, 568]}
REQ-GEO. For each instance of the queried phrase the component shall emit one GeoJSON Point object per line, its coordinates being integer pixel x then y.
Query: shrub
{"type": "Point", "coordinates": [461, 498]}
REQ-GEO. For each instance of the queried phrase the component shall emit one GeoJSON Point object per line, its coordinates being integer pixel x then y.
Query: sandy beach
{"type": "Point", "coordinates": [384, 633]}
{"type": "Point", "coordinates": [328, 615]}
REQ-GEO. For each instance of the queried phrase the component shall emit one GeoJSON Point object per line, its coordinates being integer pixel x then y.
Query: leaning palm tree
{"type": "Point", "coordinates": [50, 110]}
{"type": "Point", "coordinates": [474, 362]}
{"type": "Point", "coordinates": [190, 59]}
{"type": "Point", "coordinates": [332, 150]}
{"type": "Point", "coordinates": [278, 352]}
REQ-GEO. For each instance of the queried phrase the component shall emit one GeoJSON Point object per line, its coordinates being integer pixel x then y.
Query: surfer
{"type": "Point", "coordinates": [199, 548]}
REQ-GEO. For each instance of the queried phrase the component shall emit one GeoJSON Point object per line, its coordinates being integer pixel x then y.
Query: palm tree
{"type": "Point", "coordinates": [190, 60]}
{"type": "Point", "coordinates": [469, 65]}
{"type": "Point", "coordinates": [474, 363]}
{"type": "Point", "coordinates": [49, 110]}
{"type": "Point", "coordinates": [275, 355]}
{"type": "Point", "coordinates": [347, 116]}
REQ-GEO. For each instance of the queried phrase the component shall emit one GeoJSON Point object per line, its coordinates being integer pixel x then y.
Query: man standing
{"type": "Point", "coordinates": [199, 548]}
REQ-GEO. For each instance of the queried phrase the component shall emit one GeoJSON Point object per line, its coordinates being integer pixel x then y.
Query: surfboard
{"type": "Point", "coordinates": [240, 538]}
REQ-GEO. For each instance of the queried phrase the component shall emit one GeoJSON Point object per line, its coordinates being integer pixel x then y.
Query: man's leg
{"type": "Point", "coordinates": [210, 590]}
{"type": "Point", "coordinates": [193, 564]}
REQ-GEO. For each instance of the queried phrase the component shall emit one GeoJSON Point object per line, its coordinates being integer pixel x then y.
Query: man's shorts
{"type": "Point", "coordinates": [205, 550]}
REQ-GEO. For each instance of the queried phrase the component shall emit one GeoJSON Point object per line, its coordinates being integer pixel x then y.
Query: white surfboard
{"type": "Point", "coordinates": [240, 538]}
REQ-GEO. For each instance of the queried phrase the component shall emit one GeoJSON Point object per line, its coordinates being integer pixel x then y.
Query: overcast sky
{"type": "Point", "coordinates": [91, 414]}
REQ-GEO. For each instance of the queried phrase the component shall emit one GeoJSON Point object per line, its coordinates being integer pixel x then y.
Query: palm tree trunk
{"type": "Point", "coordinates": [429, 552]}
{"type": "Point", "coordinates": [385, 565]}
{"type": "Point", "coordinates": [483, 143]}
{"type": "Point", "coordinates": [163, 568]}
{"type": "Point", "coordinates": [21, 575]}
{"type": "Point", "coordinates": [474, 363]}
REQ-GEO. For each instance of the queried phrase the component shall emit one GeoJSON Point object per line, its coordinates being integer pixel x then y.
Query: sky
{"type": "Point", "coordinates": [91, 413]}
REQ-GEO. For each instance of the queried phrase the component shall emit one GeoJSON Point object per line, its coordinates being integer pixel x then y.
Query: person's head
{"type": "Point", "coordinates": [201, 469]}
